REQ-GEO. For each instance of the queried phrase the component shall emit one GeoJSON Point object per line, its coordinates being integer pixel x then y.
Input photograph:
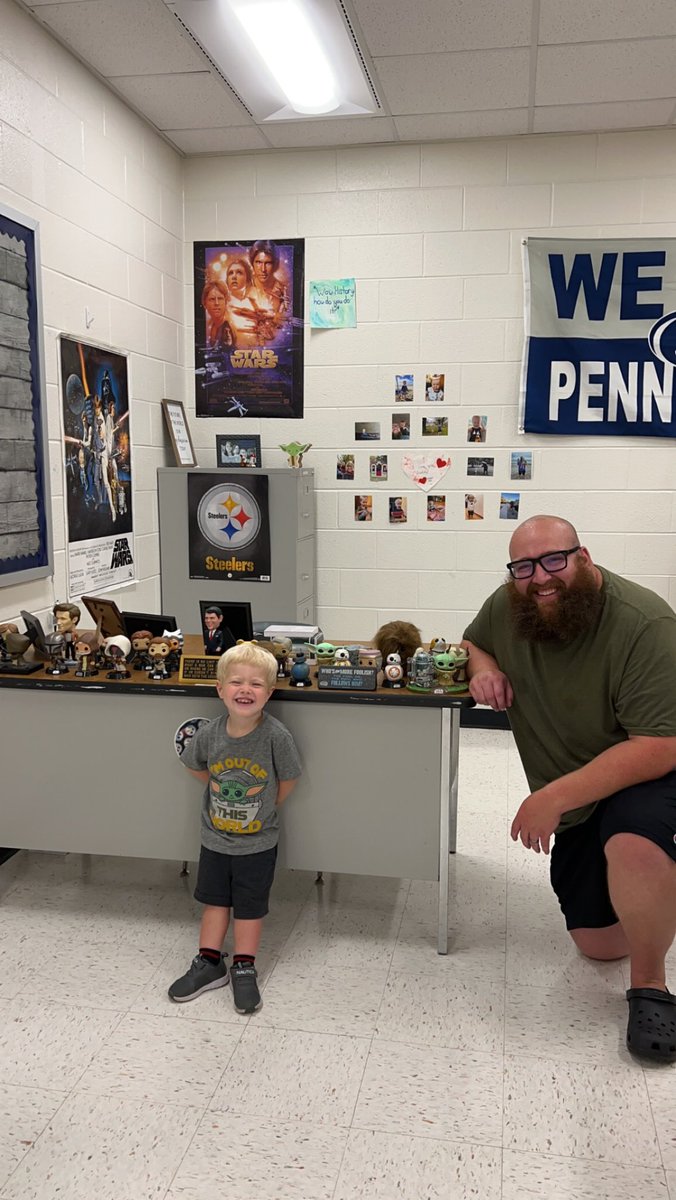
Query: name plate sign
{"type": "Point", "coordinates": [198, 668]}
{"type": "Point", "coordinates": [349, 679]}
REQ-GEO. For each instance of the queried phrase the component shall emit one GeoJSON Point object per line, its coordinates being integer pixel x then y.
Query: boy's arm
{"type": "Point", "coordinates": [203, 776]}
{"type": "Point", "coordinates": [284, 789]}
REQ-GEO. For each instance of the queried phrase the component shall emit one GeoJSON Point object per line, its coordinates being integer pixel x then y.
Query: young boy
{"type": "Point", "coordinates": [250, 764]}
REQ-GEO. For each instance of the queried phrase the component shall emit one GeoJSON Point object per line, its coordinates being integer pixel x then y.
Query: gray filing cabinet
{"type": "Point", "coordinates": [290, 594]}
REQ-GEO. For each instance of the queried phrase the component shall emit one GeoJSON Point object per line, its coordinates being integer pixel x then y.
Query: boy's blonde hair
{"type": "Point", "coordinates": [253, 656]}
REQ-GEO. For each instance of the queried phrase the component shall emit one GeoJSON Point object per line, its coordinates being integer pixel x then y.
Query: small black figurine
{"type": "Point", "coordinates": [56, 647]}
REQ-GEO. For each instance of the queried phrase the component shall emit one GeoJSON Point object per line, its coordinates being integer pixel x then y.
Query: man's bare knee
{"type": "Point", "coordinates": [601, 945]}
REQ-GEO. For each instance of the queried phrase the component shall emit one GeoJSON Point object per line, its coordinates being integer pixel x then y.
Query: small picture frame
{"type": "Point", "coordinates": [181, 441]}
{"type": "Point", "coordinates": [106, 616]}
{"type": "Point", "coordinates": [238, 450]}
{"type": "Point", "coordinates": [224, 622]}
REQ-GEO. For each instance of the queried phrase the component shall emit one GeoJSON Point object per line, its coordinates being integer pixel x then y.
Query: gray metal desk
{"type": "Point", "coordinates": [89, 767]}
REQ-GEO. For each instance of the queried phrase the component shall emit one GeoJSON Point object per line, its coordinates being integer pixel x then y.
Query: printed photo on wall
{"type": "Point", "coordinates": [378, 467]}
{"type": "Point", "coordinates": [436, 508]}
{"type": "Point", "coordinates": [480, 466]}
{"type": "Point", "coordinates": [401, 427]}
{"type": "Point", "coordinates": [474, 507]}
{"type": "Point", "coordinates": [435, 426]}
{"type": "Point", "coordinates": [367, 431]}
{"type": "Point", "coordinates": [509, 505]}
{"type": "Point", "coordinates": [521, 464]}
{"type": "Point", "coordinates": [403, 389]}
{"type": "Point", "coordinates": [398, 510]}
{"type": "Point", "coordinates": [434, 388]}
{"type": "Point", "coordinates": [345, 466]}
{"type": "Point", "coordinates": [249, 299]}
{"type": "Point", "coordinates": [476, 429]}
{"type": "Point", "coordinates": [363, 508]}
{"type": "Point", "coordinates": [97, 460]}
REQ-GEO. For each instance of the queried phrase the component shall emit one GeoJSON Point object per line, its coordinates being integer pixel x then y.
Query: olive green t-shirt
{"type": "Point", "coordinates": [573, 700]}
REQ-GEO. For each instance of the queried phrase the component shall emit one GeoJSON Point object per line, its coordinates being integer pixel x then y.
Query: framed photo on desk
{"type": "Point", "coordinates": [238, 450]}
{"type": "Point", "coordinates": [181, 441]}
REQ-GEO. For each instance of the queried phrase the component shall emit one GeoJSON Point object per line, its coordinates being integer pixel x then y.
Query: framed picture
{"type": "Point", "coordinates": [224, 622]}
{"type": "Point", "coordinates": [181, 441]}
{"type": "Point", "coordinates": [106, 615]}
{"type": "Point", "coordinates": [238, 450]}
{"type": "Point", "coordinates": [26, 551]}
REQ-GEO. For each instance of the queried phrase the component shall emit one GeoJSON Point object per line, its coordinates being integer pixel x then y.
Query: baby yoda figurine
{"type": "Point", "coordinates": [295, 451]}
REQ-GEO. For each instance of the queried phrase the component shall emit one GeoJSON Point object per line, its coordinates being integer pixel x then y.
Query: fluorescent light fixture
{"type": "Point", "coordinates": [281, 33]}
{"type": "Point", "coordinates": [286, 59]}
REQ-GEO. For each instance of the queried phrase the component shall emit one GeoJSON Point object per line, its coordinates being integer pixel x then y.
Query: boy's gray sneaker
{"type": "Point", "coordinates": [201, 976]}
{"type": "Point", "coordinates": [245, 991]}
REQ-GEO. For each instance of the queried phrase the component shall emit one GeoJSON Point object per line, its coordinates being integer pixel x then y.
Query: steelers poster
{"type": "Point", "coordinates": [228, 526]}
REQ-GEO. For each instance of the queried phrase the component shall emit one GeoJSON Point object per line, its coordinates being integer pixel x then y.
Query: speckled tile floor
{"type": "Point", "coordinates": [375, 1070]}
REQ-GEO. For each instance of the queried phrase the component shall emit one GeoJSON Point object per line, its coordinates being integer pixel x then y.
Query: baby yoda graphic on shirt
{"type": "Point", "coordinates": [235, 798]}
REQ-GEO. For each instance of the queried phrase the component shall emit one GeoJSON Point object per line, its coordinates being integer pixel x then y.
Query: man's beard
{"type": "Point", "coordinates": [575, 610]}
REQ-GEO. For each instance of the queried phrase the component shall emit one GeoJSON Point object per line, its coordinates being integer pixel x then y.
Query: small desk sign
{"type": "Point", "coordinates": [349, 679]}
{"type": "Point", "coordinates": [198, 668]}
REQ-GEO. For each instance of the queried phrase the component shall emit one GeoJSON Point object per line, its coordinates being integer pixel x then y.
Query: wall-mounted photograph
{"type": "Point", "coordinates": [367, 431]}
{"type": "Point", "coordinates": [434, 388]}
{"type": "Point", "coordinates": [403, 389]}
{"type": "Point", "coordinates": [401, 427]}
{"type": "Point", "coordinates": [521, 464]}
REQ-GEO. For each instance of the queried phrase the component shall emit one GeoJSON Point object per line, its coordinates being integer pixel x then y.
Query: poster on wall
{"type": "Point", "coordinates": [249, 306]}
{"type": "Point", "coordinates": [26, 542]}
{"type": "Point", "coordinates": [228, 526]}
{"type": "Point", "coordinates": [600, 344]}
{"type": "Point", "coordinates": [97, 466]}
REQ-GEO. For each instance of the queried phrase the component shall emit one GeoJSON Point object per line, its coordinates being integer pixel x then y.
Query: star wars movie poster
{"type": "Point", "coordinates": [228, 526]}
{"type": "Point", "coordinates": [249, 328]}
{"type": "Point", "coordinates": [97, 464]}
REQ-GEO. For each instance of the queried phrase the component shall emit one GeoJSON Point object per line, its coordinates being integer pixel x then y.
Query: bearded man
{"type": "Point", "coordinates": [585, 663]}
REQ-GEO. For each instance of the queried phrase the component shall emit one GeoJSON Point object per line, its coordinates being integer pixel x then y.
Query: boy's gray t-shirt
{"type": "Point", "coordinates": [239, 814]}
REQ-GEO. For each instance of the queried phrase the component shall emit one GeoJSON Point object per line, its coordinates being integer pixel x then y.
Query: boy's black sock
{"type": "Point", "coordinates": [242, 958]}
{"type": "Point", "coordinates": [212, 956]}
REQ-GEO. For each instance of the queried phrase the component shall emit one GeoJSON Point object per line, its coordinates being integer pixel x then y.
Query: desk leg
{"type": "Point", "coordinates": [453, 780]}
{"type": "Point", "coordinates": [444, 827]}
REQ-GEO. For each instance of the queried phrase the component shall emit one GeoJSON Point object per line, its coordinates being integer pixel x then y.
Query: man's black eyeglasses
{"type": "Point", "coordinates": [556, 560]}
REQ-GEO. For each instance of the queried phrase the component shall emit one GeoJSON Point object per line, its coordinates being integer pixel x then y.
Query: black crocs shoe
{"type": "Point", "coordinates": [651, 1031]}
{"type": "Point", "coordinates": [245, 991]}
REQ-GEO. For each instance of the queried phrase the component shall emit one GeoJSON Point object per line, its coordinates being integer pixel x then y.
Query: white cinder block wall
{"type": "Point", "coordinates": [433, 236]}
{"type": "Point", "coordinates": [108, 193]}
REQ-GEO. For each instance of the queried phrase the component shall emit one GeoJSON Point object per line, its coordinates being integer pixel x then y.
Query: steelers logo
{"type": "Point", "coordinates": [229, 517]}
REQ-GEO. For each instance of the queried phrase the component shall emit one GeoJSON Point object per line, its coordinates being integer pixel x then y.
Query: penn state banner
{"type": "Point", "coordinates": [228, 526]}
{"type": "Point", "coordinates": [600, 344]}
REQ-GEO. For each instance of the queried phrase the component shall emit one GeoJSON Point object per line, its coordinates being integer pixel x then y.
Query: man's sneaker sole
{"type": "Point", "coordinates": [208, 987]}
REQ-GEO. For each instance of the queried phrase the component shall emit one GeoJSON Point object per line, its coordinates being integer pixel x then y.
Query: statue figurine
{"type": "Point", "coordinates": [159, 652]}
{"type": "Point", "coordinates": [139, 643]}
{"type": "Point", "coordinates": [300, 670]}
{"type": "Point", "coordinates": [421, 672]}
{"type": "Point", "coordinates": [393, 672]}
{"type": "Point", "coordinates": [56, 648]}
{"type": "Point", "coordinates": [66, 619]}
{"type": "Point", "coordinates": [9, 627]}
{"type": "Point", "coordinates": [175, 640]}
{"type": "Point", "coordinates": [295, 451]}
{"type": "Point", "coordinates": [438, 645]}
{"type": "Point", "coordinates": [85, 651]}
{"type": "Point", "coordinates": [117, 651]}
{"type": "Point", "coordinates": [449, 667]}
{"type": "Point", "coordinates": [16, 645]}
{"type": "Point", "coordinates": [281, 648]}
{"type": "Point", "coordinates": [324, 653]}
{"type": "Point", "coordinates": [369, 656]}
{"type": "Point", "coordinates": [342, 657]}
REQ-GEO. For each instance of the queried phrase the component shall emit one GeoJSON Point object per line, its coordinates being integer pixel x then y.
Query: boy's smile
{"type": "Point", "coordinates": [244, 693]}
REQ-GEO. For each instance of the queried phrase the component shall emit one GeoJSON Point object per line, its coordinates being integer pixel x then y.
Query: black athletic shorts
{"type": "Point", "coordinates": [578, 868]}
{"type": "Point", "coordinates": [241, 882]}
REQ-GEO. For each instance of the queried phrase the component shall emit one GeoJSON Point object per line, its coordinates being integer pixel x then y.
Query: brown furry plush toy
{"type": "Point", "coordinates": [398, 637]}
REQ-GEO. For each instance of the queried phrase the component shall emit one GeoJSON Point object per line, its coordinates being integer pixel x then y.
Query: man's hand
{"type": "Point", "coordinates": [491, 687]}
{"type": "Point", "coordinates": [536, 820]}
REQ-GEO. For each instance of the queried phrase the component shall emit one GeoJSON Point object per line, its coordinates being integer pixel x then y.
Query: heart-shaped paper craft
{"type": "Point", "coordinates": [426, 470]}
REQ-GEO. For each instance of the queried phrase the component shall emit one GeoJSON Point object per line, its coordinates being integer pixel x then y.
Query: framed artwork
{"type": "Point", "coordinates": [181, 441]}
{"type": "Point", "coordinates": [238, 450]}
{"type": "Point", "coordinates": [224, 622]}
{"type": "Point", "coordinates": [249, 311]}
{"type": "Point", "coordinates": [26, 549]}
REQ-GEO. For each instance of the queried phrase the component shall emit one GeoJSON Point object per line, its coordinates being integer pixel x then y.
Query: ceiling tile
{"type": "Point", "coordinates": [619, 70]}
{"type": "Point", "coordinates": [637, 114]}
{"type": "Point", "coordinates": [394, 27]}
{"type": "Point", "coordinates": [428, 127]}
{"type": "Point", "coordinates": [343, 131]}
{"type": "Point", "coordinates": [463, 82]}
{"type": "Point", "coordinates": [217, 141]}
{"type": "Point", "coordinates": [123, 37]}
{"type": "Point", "coordinates": [182, 101]}
{"type": "Point", "coordinates": [599, 21]}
